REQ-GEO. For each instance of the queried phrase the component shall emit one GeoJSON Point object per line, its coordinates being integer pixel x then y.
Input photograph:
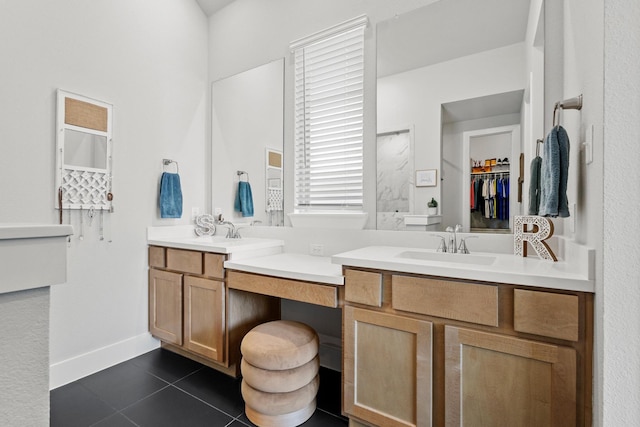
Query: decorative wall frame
{"type": "Point", "coordinates": [273, 180]}
{"type": "Point", "coordinates": [83, 148]}
{"type": "Point", "coordinates": [427, 178]}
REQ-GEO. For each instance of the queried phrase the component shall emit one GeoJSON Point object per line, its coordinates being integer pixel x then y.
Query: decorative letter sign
{"type": "Point", "coordinates": [542, 230]}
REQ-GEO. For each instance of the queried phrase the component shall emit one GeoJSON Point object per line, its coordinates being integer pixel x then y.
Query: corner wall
{"type": "Point", "coordinates": [150, 62]}
{"type": "Point", "coordinates": [618, 297]}
{"type": "Point", "coordinates": [595, 45]}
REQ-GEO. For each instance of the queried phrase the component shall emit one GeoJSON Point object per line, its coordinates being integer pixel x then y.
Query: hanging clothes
{"type": "Point", "coordinates": [489, 196]}
{"type": "Point", "coordinates": [472, 194]}
{"type": "Point", "coordinates": [479, 199]}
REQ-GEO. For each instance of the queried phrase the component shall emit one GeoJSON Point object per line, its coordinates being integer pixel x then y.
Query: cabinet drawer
{"type": "Point", "coordinates": [157, 257]}
{"type": "Point", "coordinates": [467, 302]}
{"type": "Point", "coordinates": [184, 261]}
{"type": "Point", "coordinates": [545, 313]}
{"type": "Point", "coordinates": [363, 287]}
{"type": "Point", "coordinates": [214, 265]}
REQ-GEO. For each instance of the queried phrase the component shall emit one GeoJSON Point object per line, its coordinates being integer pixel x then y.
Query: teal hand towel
{"type": "Point", "coordinates": [554, 174]}
{"type": "Point", "coordinates": [170, 196]}
{"type": "Point", "coordinates": [244, 199]}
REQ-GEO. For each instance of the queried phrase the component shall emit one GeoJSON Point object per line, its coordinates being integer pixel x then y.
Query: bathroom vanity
{"type": "Point", "coordinates": [206, 293]}
{"type": "Point", "coordinates": [191, 308]}
{"type": "Point", "coordinates": [428, 338]}
{"type": "Point", "coordinates": [423, 349]}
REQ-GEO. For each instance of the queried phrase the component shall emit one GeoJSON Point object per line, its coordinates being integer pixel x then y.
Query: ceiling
{"type": "Point", "coordinates": [209, 7]}
{"type": "Point", "coordinates": [485, 106]}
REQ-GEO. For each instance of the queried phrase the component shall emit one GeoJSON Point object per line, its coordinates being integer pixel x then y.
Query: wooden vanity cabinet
{"type": "Point", "coordinates": [499, 380]}
{"type": "Point", "coordinates": [204, 317]}
{"type": "Point", "coordinates": [423, 351]}
{"type": "Point", "coordinates": [192, 311]}
{"type": "Point", "coordinates": [165, 305]}
{"type": "Point", "coordinates": [387, 368]}
{"type": "Point", "coordinates": [186, 303]}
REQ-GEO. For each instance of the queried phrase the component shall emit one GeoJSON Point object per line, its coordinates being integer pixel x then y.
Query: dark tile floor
{"type": "Point", "coordinates": [161, 388]}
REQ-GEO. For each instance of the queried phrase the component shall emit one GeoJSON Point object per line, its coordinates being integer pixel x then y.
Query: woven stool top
{"type": "Point", "coordinates": [279, 345]}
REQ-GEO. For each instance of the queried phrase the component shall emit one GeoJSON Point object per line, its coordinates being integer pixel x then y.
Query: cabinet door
{"type": "Point", "coordinates": [387, 368]}
{"type": "Point", "coordinates": [494, 380]}
{"type": "Point", "coordinates": [204, 317]}
{"type": "Point", "coordinates": [165, 306]}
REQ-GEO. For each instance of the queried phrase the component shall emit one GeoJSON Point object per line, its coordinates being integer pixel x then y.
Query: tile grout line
{"type": "Point", "coordinates": [143, 398]}
{"type": "Point", "coordinates": [207, 403]}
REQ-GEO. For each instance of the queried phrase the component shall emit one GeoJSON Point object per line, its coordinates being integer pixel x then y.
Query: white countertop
{"type": "Point", "coordinates": [30, 231]}
{"type": "Point", "coordinates": [32, 255]}
{"type": "Point", "coordinates": [309, 268]}
{"type": "Point", "coordinates": [499, 268]}
{"type": "Point", "coordinates": [265, 256]}
{"type": "Point", "coordinates": [183, 237]}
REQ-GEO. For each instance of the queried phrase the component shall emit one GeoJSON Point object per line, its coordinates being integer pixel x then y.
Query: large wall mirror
{"type": "Point", "coordinates": [247, 142]}
{"type": "Point", "coordinates": [459, 92]}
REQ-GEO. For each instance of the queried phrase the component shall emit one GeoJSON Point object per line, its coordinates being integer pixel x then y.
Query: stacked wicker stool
{"type": "Point", "coordinates": [279, 367]}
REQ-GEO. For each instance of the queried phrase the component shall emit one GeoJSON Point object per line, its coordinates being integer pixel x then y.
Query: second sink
{"type": "Point", "coordinates": [447, 257]}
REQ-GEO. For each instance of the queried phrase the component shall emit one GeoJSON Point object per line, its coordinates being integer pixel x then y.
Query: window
{"type": "Point", "coordinates": [329, 87]}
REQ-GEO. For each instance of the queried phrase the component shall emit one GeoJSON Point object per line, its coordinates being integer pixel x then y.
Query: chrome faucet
{"type": "Point", "coordinates": [442, 247]}
{"type": "Point", "coordinates": [462, 249]}
{"type": "Point", "coordinates": [453, 238]}
{"type": "Point", "coordinates": [232, 231]}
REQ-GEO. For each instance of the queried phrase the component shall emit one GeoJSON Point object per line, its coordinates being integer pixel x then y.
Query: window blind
{"type": "Point", "coordinates": [329, 88]}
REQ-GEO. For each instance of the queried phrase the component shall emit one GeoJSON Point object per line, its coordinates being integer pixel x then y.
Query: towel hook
{"type": "Point", "coordinates": [167, 162]}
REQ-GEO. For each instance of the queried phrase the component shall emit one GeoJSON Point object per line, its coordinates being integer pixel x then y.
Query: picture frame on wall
{"type": "Point", "coordinates": [426, 178]}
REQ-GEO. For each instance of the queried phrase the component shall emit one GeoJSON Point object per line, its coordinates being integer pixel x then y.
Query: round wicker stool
{"type": "Point", "coordinates": [280, 373]}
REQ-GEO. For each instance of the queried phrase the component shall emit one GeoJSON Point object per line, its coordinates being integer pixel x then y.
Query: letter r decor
{"type": "Point", "coordinates": [542, 229]}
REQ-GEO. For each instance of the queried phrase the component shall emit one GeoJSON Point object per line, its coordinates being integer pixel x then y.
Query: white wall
{"type": "Point", "coordinates": [151, 64]}
{"type": "Point", "coordinates": [416, 97]}
{"type": "Point", "coordinates": [592, 48]}
{"type": "Point", "coordinates": [24, 348]}
{"type": "Point", "coordinates": [574, 58]}
{"type": "Point", "coordinates": [618, 295]}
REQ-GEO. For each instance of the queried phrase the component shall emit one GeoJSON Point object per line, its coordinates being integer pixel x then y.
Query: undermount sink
{"type": "Point", "coordinates": [222, 241]}
{"type": "Point", "coordinates": [448, 257]}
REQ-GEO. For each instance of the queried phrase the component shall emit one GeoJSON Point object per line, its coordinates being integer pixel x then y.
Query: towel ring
{"type": "Point", "coordinates": [167, 162]}
{"type": "Point", "coordinates": [538, 142]}
{"type": "Point", "coordinates": [567, 104]}
{"type": "Point", "coordinates": [240, 173]}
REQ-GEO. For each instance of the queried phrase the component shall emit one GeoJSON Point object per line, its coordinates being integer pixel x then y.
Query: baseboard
{"type": "Point", "coordinates": [70, 370]}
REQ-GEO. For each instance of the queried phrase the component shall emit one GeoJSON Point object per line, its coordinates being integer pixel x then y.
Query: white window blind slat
{"type": "Point", "coordinates": [329, 92]}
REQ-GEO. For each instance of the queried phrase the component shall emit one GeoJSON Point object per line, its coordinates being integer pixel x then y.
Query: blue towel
{"type": "Point", "coordinates": [554, 174]}
{"type": "Point", "coordinates": [244, 199]}
{"type": "Point", "coordinates": [170, 196]}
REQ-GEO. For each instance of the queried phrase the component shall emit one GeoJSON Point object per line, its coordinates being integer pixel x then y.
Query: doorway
{"type": "Point", "coordinates": [492, 161]}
